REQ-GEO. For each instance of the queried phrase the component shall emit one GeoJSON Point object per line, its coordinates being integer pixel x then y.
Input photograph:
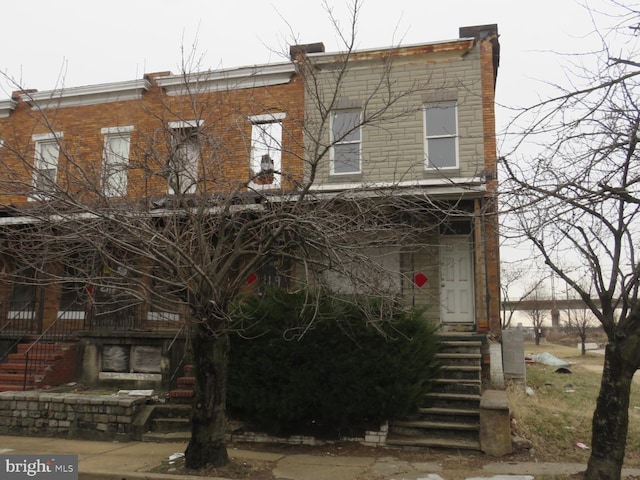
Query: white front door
{"type": "Point", "coordinates": [456, 280]}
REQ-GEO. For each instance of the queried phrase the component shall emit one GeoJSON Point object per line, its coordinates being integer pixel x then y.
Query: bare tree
{"type": "Point", "coordinates": [577, 201]}
{"type": "Point", "coordinates": [536, 311]}
{"type": "Point", "coordinates": [581, 322]}
{"type": "Point", "coordinates": [194, 251]}
{"type": "Point", "coordinates": [509, 280]}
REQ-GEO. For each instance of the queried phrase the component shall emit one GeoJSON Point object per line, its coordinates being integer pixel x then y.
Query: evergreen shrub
{"type": "Point", "coordinates": [317, 362]}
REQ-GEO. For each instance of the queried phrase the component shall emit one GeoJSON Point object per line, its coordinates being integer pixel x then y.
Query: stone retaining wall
{"type": "Point", "coordinates": [68, 415]}
{"type": "Point", "coordinates": [371, 438]}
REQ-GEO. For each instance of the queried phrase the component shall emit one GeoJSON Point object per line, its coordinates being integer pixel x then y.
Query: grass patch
{"type": "Point", "coordinates": [559, 414]}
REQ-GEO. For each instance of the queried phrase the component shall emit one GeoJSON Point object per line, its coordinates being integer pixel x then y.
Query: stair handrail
{"type": "Point", "coordinates": [181, 362]}
{"type": "Point", "coordinates": [8, 350]}
{"type": "Point", "coordinates": [38, 345]}
{"type": "Point", "coordinates": [10, 320]}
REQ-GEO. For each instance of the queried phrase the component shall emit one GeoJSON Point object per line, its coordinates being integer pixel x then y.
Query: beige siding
{"type": "Point", "coordinates": [393, 147]}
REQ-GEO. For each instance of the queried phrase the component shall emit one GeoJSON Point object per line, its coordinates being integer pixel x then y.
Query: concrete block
{"type": "Point", "coordinates": [495, 423]}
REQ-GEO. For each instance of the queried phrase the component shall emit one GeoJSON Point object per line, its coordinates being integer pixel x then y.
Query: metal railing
{"type": "Point", "coordinates": [41, 351]}
{"type": "Point", "coordinates": [20, 318]}
{"type": "Point", "coordinates": [18, 323]}
{"type": "Point", "coordinates": [181, 362]}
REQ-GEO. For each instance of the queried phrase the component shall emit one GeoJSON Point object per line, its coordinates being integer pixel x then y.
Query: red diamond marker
{"type": "Point", "coordinates": [252, 278]}
{"type": "Point", "coordinates": [420, 279]}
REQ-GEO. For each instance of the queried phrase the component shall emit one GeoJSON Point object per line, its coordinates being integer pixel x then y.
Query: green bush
{"type": "Point", "coordinates": [317, 362]}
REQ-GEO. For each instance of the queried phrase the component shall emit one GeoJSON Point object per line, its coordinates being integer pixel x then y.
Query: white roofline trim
{"type": "Point", "coordinates": [442, 191]}
{"type": "Point", "coordinates": [6, 107]}
{"type": "Point", "coordinates": [231, 79]}
{"type": "Point", "coordinates": [88, 95]}
{"type": "Point", "coordinates": [427, 182]}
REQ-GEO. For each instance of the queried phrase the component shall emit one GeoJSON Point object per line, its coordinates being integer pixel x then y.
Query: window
{"type": "Point", "coordinates": [115, 166]}
{"type": "Point", "coordinates": [346, 139]}
{"type": "Point", "coordinates": [266, 149]}
{"type": "Point", "coordinates": [441, 135]}
{"type": "Point", "coordinates": [185, 156]}
{"type": "Point", "coordinates": [45, 165]}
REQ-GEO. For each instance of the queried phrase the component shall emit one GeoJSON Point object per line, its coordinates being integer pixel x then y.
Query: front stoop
{"type": "Point", "coordinates": [449, 416]}
{"type": "Point", "coordinates": [55, 367]}
{"type": "Point", "coordinates": [163, 423]}
{"type": "Point", "coordinates": [183, 393]}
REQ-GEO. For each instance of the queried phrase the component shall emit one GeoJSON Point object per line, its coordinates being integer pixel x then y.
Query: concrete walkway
{"type": "Point", "coordinates": [134, 460]}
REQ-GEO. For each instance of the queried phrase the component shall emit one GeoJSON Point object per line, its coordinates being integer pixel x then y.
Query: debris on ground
{"type": "Point", "coordinates": [546, 358]}
{"type": "Point", "coordinates": [563, 370]}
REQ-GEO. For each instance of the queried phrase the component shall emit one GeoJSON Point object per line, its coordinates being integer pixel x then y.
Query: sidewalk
{"type": "Point", "coordinates": [134, 460]}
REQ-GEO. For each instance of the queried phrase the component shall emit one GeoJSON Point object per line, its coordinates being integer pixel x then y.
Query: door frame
{"type": "Point", "coordinates": [453, 240]}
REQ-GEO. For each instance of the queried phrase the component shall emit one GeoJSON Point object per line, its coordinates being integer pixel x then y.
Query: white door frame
{"type": "Point", "coordinates": [457, 279]}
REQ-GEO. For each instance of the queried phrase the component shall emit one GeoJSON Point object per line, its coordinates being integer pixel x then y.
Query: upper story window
{"type": "Point", "coordinates": [115, 163]}
{"type": "Point", "coordinates": [45, 164]}
{"type": "Point", "coordinates": [266, 149]}
{"type": "Point", "coordinates": [184, 157]}
{"type": "Point", "coordinates": [441, 135]}
{"type": "Point", "coordinates": [346, 139]}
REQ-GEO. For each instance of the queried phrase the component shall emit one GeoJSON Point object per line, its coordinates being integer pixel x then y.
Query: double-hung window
{"type": "Point", "coordinates": [45, 164]}
{"type": "Point", "coordinates": [184, 157]}
{"type": "Point", "coordinates": [441, 135]}
{"type": "Point", "coordinates": [115, 163]}
{"type": "Point", "coordinates": [266, 149]}
{"type": "Point", "coordinates": [346, 140]}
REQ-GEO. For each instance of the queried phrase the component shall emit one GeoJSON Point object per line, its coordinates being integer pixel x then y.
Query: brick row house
{"type": "Point", "coordinates": [415, 123]}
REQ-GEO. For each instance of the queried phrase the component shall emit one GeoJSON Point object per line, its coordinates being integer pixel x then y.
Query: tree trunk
{"type": "Point", "coordinates": [611, 418]}
{"type": "Point", "coordinates": [207, 446]}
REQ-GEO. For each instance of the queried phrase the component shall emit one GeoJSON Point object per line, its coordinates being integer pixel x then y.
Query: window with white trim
{"type": "Point", "coordinates": [115, 163]}
{"type": "Point", "coordinates": [266, 149]}
{"type": "Point", "coordinates": [45, 164]}
{"type": "Point", "coordinates": [346, 139]}
{"type": "Point", "coordinates": [441, 135]}
{"type": "Point", "coordinates": [184, 157]}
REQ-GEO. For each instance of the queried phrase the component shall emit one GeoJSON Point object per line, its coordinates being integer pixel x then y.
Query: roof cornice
{"type": "Point", "coordinates": [87, 95]}
{"type": "Point", "coordinates": [452, 47]}
{"type": "Point", "coordinates": [6, 107]}
{"type": "Point", "coordinates": [231, 79]}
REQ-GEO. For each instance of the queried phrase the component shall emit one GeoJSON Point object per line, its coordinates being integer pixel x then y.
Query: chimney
{"type": "Point", "coordinates": [296, 50]}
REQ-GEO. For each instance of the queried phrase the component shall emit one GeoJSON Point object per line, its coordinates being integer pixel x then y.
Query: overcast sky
{"type": "Point", "coordinates": [76, 42]}
{"type": "Point", "coordinates": [72, 43]}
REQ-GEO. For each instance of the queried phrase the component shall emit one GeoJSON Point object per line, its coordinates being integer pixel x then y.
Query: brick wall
{"type": "Point", "coordinates": [225, 125]}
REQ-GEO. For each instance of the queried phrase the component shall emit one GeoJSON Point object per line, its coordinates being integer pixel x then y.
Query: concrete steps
{"type": "Point", "coordinates": [449, 416]}
{"type": "Point", "coordinates": [164, 423]}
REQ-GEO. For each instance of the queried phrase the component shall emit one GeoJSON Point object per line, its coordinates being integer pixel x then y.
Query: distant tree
{"type": "Point", "coordinates": [509, 282]}
{"type": "Point", "coordinates": [578, 203]}
{"type": "Point", "coordinates": [581, 321]}
{"type": "Point", "coordinates": [536, 312]}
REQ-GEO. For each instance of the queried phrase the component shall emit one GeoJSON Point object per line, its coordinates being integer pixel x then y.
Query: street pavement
{"type": "Point", "coordinates": [135, 460]}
